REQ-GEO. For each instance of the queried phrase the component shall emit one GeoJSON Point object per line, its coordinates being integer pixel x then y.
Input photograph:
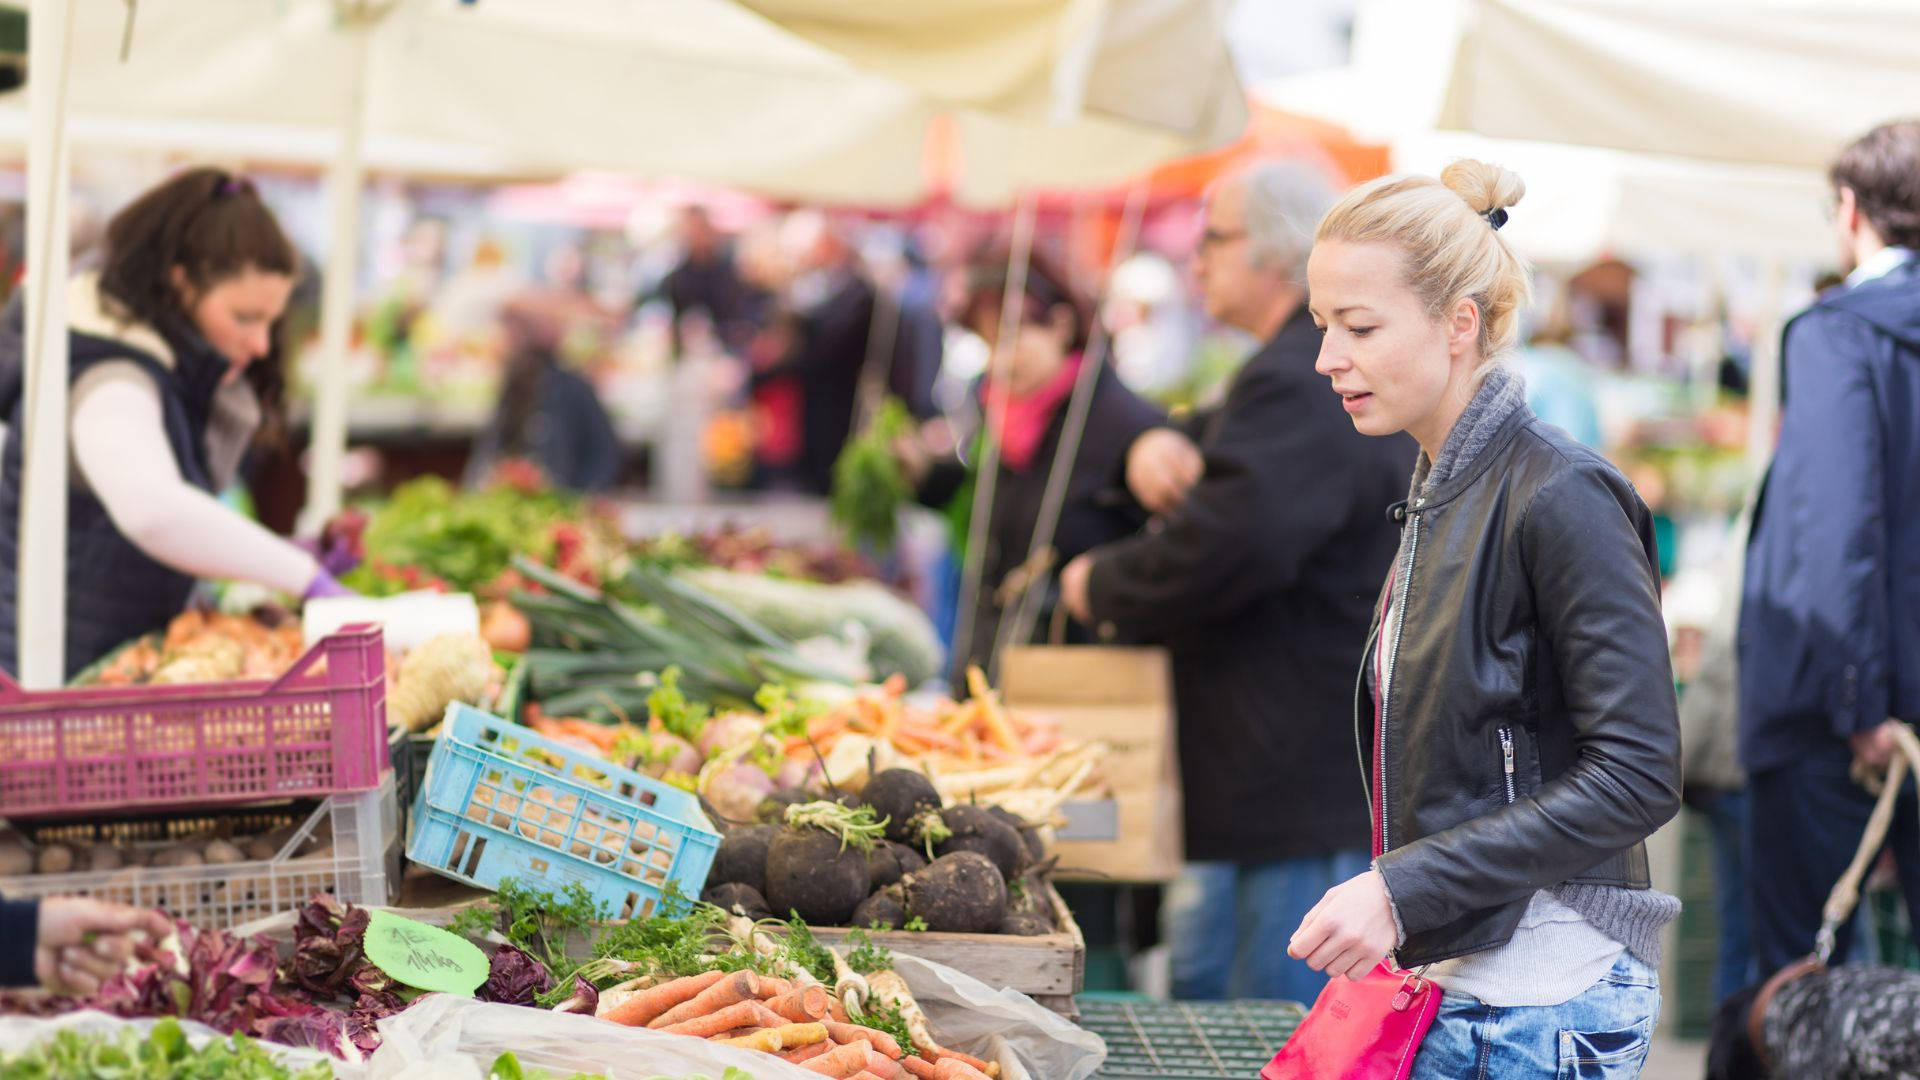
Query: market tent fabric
{"type": "Point", "coordinates": [704, 89]}
{"type": "Point", "coordinates": [1584, 203]}
{"type": "Point", "coordinates": [1781, 82]}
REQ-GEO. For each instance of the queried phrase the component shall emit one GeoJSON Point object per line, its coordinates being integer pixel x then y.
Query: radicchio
{"type": "Point", "coordinates": [514, 977]}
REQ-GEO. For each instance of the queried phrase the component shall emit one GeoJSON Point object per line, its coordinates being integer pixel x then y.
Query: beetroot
{"type": "Point", "coordinates": [890, 862]}
{"type": "Point", "coordinates": [735, 898]}
{"type": "Point", "coordinates": [1025, 924]}
{"type": "Point", "coordinates": [977, 829]}
{"type": "Point", "coordinates": [742, 858]}
{"type": "Point", "coordinates": [886, 909]}
{"type": "Point", "coordinates": [962, 893]}
{"type": "Point", "coordinates": [903, 798]}
{"type": "Point", "coordinates": [816, 875]}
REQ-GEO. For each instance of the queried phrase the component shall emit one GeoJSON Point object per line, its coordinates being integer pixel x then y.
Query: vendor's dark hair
{"type": "Point", "coordinates": [212, 225]}
{"type": "Point", "coordinates": [1882, 169]}
{"type": "Point", "coordinates": [1046, 289]}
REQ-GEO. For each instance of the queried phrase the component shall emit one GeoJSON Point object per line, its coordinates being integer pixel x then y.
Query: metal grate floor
{"type": "Point", "coordinates": [1191, 1040]}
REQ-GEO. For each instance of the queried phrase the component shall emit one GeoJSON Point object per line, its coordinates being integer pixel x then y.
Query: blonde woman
{"type": "Point", "coordinates": [1515, 712]}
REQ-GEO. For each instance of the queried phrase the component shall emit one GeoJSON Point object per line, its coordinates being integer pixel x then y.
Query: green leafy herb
{"type": "Point", "coordinates": [670, 706]}
{"type": "Point", "coordinates": [807, 953]}
{"type": "Point", "coordinates": [865, 956]}
{"type": "Point", "coordinates": [868, 483]}
{"type": "Point", "coordinates": [536, 920]}
{"type": "Point", "coordinates": [888, 1019]}
{"type": "Point", "coordinates": [163, 1054]}
{"type": "Point", "coordinates": [787, 716]}
{"type": "Point", "coordinates": [917, 925]}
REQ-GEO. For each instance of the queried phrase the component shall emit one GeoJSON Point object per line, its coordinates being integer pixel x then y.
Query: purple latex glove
{"type": "Point", "coordinates": [324, 584]}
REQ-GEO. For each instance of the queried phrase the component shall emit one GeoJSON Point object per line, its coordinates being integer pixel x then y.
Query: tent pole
{"type": "Point", "coordinates": [42, 590]}
{"type": "Point", "coordinates": [1011, 305]}
{"type": "Point", "coordinates": [346, 180]}
{"type": "Point", "coordinates": [1017, 628]}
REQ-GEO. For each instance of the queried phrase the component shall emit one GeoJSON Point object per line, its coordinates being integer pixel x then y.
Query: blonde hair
{"type": "Point", "coordinates": [1444, 227]}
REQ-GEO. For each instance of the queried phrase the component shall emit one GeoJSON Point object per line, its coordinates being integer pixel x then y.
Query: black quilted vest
{"type": "Point", "coordinates": [115, 592]}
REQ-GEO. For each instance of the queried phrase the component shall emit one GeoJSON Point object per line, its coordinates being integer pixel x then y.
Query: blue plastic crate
{"type": "Point", "coordinates": [500, 801]}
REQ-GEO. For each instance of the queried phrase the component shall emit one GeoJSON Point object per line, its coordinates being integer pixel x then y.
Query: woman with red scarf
{"type": "Point", "coordinates": [1024, 400]}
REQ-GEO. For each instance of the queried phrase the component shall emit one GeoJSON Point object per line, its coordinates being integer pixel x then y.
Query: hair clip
{"type": "Point", "coordinates": [1496, 217]}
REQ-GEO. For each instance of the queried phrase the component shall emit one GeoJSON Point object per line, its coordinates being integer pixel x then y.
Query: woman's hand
{"type": "Point", "coordinates": [1350, 930]}
{"type": "Point", "coordinates": [82, 943]}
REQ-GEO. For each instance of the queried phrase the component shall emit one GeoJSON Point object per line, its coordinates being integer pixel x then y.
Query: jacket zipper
{"type": "Point", "coordinates": [1386, 688]}
{"type": "Point", "coordinates": [1506, 760]}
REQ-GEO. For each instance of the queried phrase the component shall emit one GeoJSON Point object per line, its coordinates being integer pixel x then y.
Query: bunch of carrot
{"type": "Point", "coordinates": [802, 1024]}
{"type": "Point", "coordinates": [978, 730]}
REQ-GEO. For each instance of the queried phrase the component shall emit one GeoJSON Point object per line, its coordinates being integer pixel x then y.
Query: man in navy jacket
{"type": "Point", "coordinates": [1830, 615]}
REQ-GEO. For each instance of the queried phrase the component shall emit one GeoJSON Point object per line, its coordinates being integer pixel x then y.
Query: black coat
{"type": "Point", "coordinates": [1261, 585]}
{"type": "Point", "coordinates": [1830, 614]}
{"type": "Point", "coordinates": [1529, 731]}
{"type": "Point", "coordinates": [828, 361]}
{"type": "Point", "coordinates": [1097, 508]}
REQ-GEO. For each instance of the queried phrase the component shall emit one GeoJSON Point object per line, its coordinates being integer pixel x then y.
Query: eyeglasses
{"type": "Point", "coordinates": [1214, 237]}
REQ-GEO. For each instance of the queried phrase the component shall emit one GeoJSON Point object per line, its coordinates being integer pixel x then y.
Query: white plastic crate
{"type": "Point", "coordinates": [362, 867]}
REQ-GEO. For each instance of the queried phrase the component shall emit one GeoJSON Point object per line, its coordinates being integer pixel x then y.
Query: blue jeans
{"type": "Point", "coordinates": [1604, 1033]}
{"type": "Point", "coordinates": [1228, 925]}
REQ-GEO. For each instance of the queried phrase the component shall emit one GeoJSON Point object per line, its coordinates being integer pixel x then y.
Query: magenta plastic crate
{"type": "Point", "coordinates": [307, 733]}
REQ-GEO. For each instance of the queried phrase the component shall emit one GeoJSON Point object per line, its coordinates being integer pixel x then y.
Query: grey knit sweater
{"type": "Point", "coordinates": [1632, 917]}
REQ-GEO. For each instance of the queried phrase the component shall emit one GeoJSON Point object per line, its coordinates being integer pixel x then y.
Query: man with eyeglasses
{"type": "Point", "coordinates": [1273, 545]}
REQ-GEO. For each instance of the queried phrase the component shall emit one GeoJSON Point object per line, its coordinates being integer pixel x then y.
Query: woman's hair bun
{"type": "Point", "coordinates": [1485, 187]}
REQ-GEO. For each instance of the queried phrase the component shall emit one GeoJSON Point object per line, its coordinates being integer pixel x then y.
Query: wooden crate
{"type": "Point", "coordinates": [1050, 969]}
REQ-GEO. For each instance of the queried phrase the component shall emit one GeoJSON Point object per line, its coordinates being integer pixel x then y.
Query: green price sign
{"type": "Point", "coordinates": [425, 957]}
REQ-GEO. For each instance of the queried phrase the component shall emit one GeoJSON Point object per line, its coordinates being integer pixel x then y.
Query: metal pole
{"type": "Point", "coordinates": [1019, 627]}
{"type": "Point", "coordinates": [346, 180]}
{"type": "Point", "coordinates": [42, 590]}
{"type": "Point", "coordinates": [1025, 211]}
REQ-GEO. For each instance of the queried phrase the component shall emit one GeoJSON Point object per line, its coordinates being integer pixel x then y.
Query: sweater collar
{"type": "Point", "coordinates": [1501, 398]}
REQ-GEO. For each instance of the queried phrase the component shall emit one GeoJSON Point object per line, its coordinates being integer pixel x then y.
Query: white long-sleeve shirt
{"type": "Point", "coordinates": [120, 452]}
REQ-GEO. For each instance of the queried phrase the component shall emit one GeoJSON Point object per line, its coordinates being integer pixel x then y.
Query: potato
{"type": "Point", "coordinates": [222, 853]}
{"type": "Point", "coordinates": [102, 858]}
{"type": "Point", "coordinates": [54, 859]}
{"type": "Point", "coordinates": [16, 859]}
{"type": "Point", "coordinates": [185, 854]}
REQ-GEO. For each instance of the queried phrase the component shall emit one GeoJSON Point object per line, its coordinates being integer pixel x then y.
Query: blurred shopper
{"type": "Point", "coordinates": [1713, 782]}
{"type": "Point", "coordinates": [1261, 582]}
{"type": "Point", "coordinates": [1830, 624]}
{"type": "Point", "coordinates": [705, 279]}
{"type": "Point", "coordinates": [839, 312]}
{"type": "Point", "coordinates": [174, 373]}
{"type": "Point", "coordinates": [1042, 363]}
{"type": "Point", "coordinates": [1516, 703]}
{"type": "Point", "coordinates": [548, 414]}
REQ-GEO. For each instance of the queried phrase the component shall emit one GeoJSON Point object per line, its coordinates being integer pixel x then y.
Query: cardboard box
{"type": "Point", "coordinates": [1123, 697]}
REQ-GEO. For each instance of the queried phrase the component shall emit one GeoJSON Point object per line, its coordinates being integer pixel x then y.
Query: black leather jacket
{"type": "Point", "coordinates": [1530, 726]}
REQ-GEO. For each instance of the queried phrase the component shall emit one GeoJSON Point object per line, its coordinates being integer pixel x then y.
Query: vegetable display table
{"type": "Point", "coordinates": [1188, 1040]}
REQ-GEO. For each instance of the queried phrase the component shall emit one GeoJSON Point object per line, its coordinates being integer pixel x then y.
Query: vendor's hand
{"type": "Point", "coordinates": [1349, 931]}
{"type": "Point", "coordinates": [325, 585]}
{"type": "Point", "coordinates": [82, 943]}
{"type": "Point", "coordinates": [1875, 747]}
{"type": "Point", "coordinates": [1162, 466]}
{"type": "Point", "coordinates": [1073, 588]}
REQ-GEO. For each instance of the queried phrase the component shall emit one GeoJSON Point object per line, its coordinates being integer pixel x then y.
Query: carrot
{"type": "Point", "coordinates": [895, 686]}
{"type": "Point", "coordinates": [646, 1005]}
{"type": "Point", "coordinates": [974, 1064]}
{"type": "Point", "coordinates": [918, 1067]}
{"type": "Point", "coordinates": [864, 1075]}
{"type": "Point", "coordinates": [807, 1004]}
{"type": "Point", "coordinates": [768, 1018]}
{"type": "Point", "coordinates": [744, 1014]}
{"type": "Point", "coordinates": [837, 1010]}
{"type": "Point", "coordinates": [772, 986]}
{"type": "Point", "coordinates": [952, 1068]}
{"type": "Point", "coordinates": [788, 1037]}
{"type": "Point", "coordinates": [808, 1053]}
{"type": "Point", "coordinates": [728, 990]}
{"type": "Point", "coordinates": [927, 734]}
{"type": "Point", "coordinates": [879, 1040]}
{"type": "Point", "coordinates": [881, 1065]}
{"type": "Point", "coordinates": [842, 1062]}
